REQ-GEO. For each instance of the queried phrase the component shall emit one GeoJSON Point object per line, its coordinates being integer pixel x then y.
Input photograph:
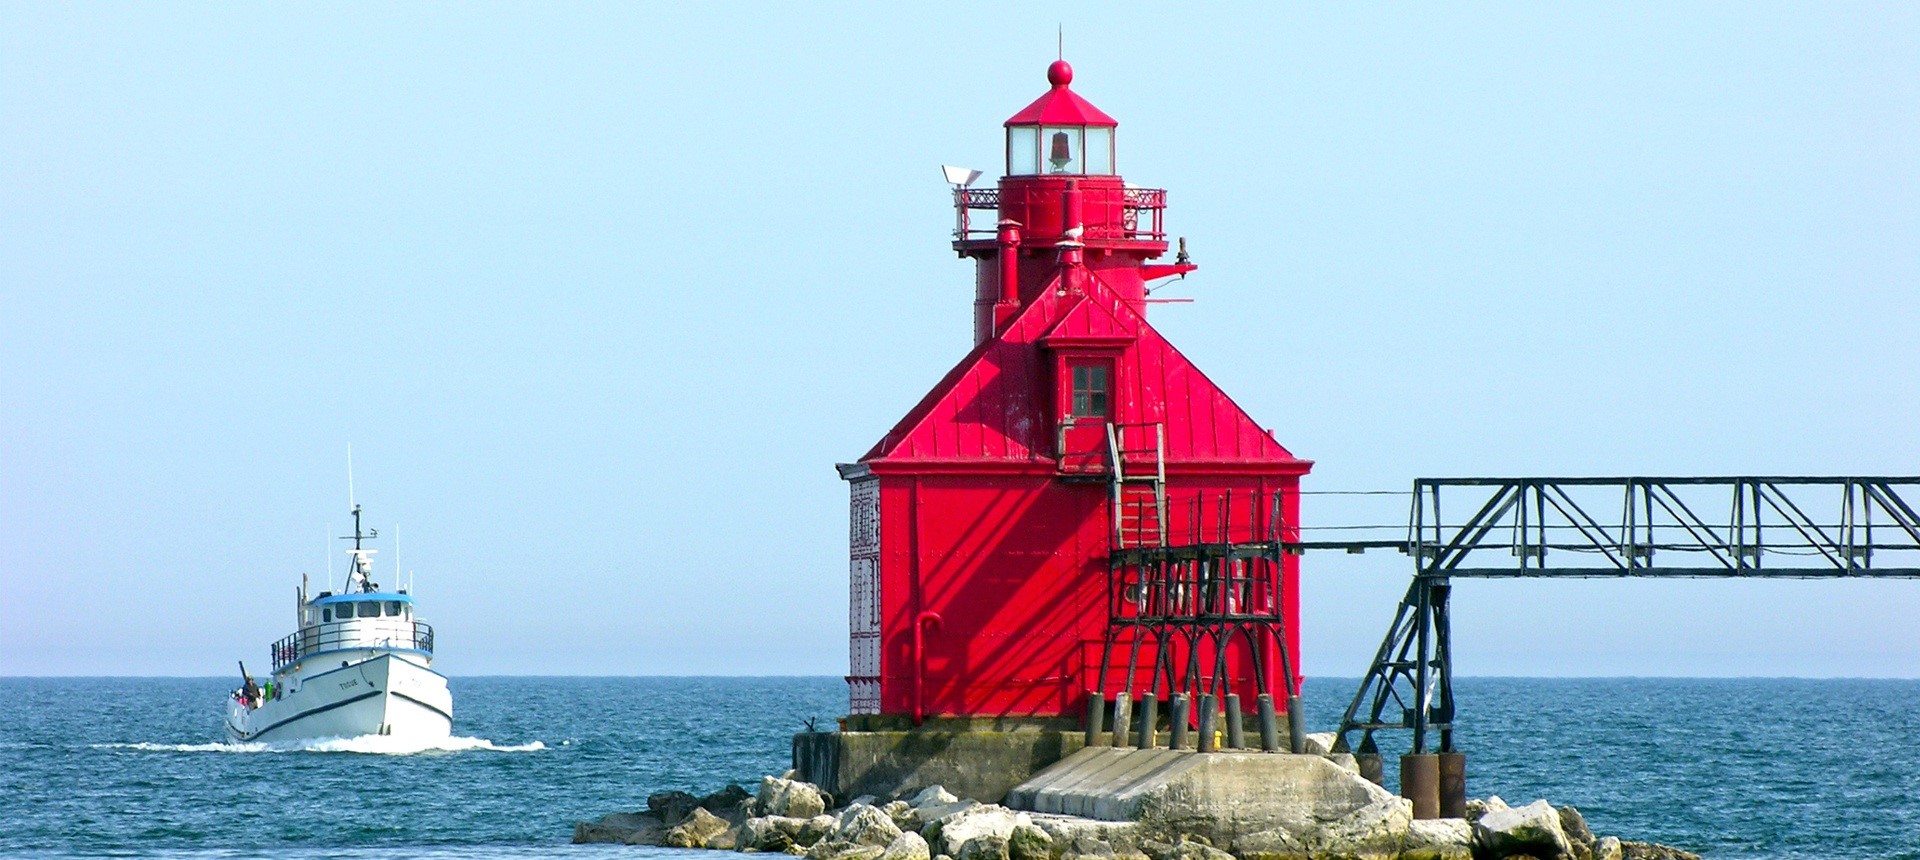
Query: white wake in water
{"type": "Point", "coordinates": [368, 744]}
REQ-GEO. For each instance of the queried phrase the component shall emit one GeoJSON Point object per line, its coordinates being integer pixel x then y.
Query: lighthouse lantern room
{"type": "Point", "coordinates": [990, 529]}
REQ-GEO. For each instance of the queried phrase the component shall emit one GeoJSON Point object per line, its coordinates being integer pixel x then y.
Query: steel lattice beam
{"type": "Point", "coordinates": [1774, 528]}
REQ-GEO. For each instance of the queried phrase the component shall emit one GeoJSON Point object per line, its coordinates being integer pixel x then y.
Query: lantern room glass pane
{"type": "Point", "coordinates": [1100, 151]}
{"type": "Point", "coordinates": [1023, 151]}
{"type": "Point", "coordinates": [1062, 149]}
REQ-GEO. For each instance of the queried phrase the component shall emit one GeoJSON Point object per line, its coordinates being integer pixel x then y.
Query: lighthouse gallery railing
{"type": "Point", "coordinates": [1136, 203]}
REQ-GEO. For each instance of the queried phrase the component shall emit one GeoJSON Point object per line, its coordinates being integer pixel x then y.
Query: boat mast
{"type": "Point", "coordinates": [362, 569]}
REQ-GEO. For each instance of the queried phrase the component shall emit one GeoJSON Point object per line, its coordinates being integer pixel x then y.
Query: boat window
{"type": "Point", "coordinates": [326, 614]}
{"type": "Point", "coordinates": [370, 609]}
{"type": "Point", "coordinates": [393, 609]}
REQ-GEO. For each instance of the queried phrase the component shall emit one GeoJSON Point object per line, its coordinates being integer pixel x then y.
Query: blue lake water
{"type": "Point", "coordinates": [134, 767]}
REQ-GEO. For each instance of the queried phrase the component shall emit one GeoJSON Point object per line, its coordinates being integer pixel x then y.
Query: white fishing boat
{"type": "Point", "coordinates": [359, 664]}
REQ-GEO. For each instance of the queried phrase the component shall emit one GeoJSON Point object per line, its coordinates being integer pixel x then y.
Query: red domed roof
{"type": "Point", "coordinates": [1061, 106]}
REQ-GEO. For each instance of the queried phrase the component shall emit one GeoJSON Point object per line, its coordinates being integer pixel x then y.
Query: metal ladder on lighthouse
{"type": "Point", "coordinates": [1139, 497]}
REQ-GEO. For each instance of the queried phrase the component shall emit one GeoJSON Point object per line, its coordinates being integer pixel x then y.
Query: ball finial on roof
{"type": "Point", "coordinates": [1060, 74]}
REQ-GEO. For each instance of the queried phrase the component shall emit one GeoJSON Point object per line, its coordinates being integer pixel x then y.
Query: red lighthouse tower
{"type": "Point", "coordinates": [990, 528]}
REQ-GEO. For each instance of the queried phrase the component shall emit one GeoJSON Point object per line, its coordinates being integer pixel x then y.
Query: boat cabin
{"type": "Point", "coordinates": [370, 620]}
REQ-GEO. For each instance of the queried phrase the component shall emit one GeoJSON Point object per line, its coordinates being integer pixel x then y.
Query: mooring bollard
{"type": "Point", "coordinates": [1269, 724]}
{"type": "Point", "coordinates": [1453, 785]}
{"type": "Point", "coordinates": [1236, 726]}
{"type": "Point", "coordinates": [1149, 721]}
{"type": "Point", "coordinates": [1420, 783]}
{"type": "Point", "coordinates": [1209, 718]}
{"type": "Point", "coordinates": [1296, 725]}
{"type": "Point", "coordinates": [1122, 720]}
{"type": "Point", "coordinates": [1181, 709]}
{"type": "Point", "coordinates": [1096, 711]}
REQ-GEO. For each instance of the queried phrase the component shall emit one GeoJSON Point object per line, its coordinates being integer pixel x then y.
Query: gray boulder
{"type": "Point", "coordinates": [956, 832]}
{"type": "Point", "coordinates": [1575, 826]}
{"type": "Point", "coordinates": [1438, 839]}
{"type": "Point", "coordinates": [932, 794]}
{"type": "Point", "coordinates": [983, 848]}
{"type": "Point", "coordinates": [1631, 850]}
{"type": "Point", "coordinates": [933, 813]}
{"type": "Point", "coordinates": [801, 832]}
{"type": "Point", "coordinates": [1377, 831]}
{"type": "Point", "coordinates": [1533, 829]}
{"type": "Point", "coordinates": [1086, 848]}
{"type": "Point", "coordinates": [1028, 842]}
{"type": "Point", "coordinates": [907, 846]}
{"type": "Point", "coordinates": [622, 828]}
{"type": "Point", "coordinates": [1319, 743]}
{"type": "Point", "coordinates": [671, 806]}
{"type": "Point", "coordinates": [834, 849]}
{"type": "Point", "coordinates": [763, 834]}
{"type": "Point", "coordinates": [697, 830]}
{"type": "Point", "coordinates": [902, 815]}
{"type": "Point", "coordinates": [790, 798]}
{"type": "Point", "coordinates": [725, 800]}
{"type": "Point", "coordinates": [1607, 848]}
{"type": "Point", "coordinates": [866, 825]}
{"type": "Point", "coordinates": [816, 829]}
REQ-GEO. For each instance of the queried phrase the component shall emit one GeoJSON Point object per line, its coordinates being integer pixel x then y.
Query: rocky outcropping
{"type": "Point", "coordinates": [792, 817]}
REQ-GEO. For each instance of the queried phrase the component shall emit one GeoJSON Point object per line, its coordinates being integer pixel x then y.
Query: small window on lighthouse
{"type": "Point", "coordinates": [1090, 391]}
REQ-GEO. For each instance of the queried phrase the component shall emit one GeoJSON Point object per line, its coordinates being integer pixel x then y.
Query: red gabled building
{"type": "Point", "coordinates": [984, 524]}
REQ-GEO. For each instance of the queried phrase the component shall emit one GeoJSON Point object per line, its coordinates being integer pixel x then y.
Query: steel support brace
{"type": "Point", "coordinates": [1410, 684]}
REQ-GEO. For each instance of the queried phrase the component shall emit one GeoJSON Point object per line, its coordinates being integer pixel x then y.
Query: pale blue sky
{"type": "Point", "coordinates": [599, 293]}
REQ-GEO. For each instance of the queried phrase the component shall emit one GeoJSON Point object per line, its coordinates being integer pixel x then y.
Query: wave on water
{"type": "Point", "coordinates": [366, 744]}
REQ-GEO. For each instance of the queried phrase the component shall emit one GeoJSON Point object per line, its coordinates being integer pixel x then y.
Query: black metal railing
{"type": "Point", "coordinates": [350, 634]}
{"type": "Point", "coordinates": [1134, 203]}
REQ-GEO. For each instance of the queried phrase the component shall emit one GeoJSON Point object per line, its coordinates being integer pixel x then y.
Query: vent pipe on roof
{"type": "Point", "coordinates": [1071, 229]}
{"type": "Point", "coordinates": [1009, 245]}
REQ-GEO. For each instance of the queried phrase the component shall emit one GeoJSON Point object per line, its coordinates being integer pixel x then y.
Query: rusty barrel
{"type": "Point", "coordinates": [1420, 783]}
{"type": "Point", "coordinates": [1453, 785]}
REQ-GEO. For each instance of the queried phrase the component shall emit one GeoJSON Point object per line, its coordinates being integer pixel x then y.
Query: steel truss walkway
{"type": "Point", "coordinates": [1554, 528]}
{"type": "Point", "coordinates": [1561, 528]}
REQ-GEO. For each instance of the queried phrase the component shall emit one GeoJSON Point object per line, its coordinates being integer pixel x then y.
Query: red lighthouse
{"type": "Point", "coordinates": [990, 526]}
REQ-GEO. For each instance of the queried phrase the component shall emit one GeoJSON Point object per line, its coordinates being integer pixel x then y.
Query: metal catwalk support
{"type": "Point", "coordinates": [1201, 614]}
{"type": "Point", "coordinates": [1775, 528]}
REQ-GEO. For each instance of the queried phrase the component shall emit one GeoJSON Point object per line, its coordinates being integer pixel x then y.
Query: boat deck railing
{"type": "Point", "coordinates": [346, 635]}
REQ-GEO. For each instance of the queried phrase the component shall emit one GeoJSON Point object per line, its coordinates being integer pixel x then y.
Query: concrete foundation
{"type": "Point", "coordinates": [982, 765]}
{"type": "Point", "coordinates": [1224, 795]}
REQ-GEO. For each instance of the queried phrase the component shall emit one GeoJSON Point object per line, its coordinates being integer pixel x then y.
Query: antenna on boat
{"type": "Point", "coordinates": [350, 503]}
{"type": "Point", "coordinates": [329, 537]}
{"type": "Point", "coordinates": [396, 555]}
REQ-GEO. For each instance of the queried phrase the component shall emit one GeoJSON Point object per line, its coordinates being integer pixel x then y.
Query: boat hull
{"type": "Point", "coordinates": [380, 693]}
